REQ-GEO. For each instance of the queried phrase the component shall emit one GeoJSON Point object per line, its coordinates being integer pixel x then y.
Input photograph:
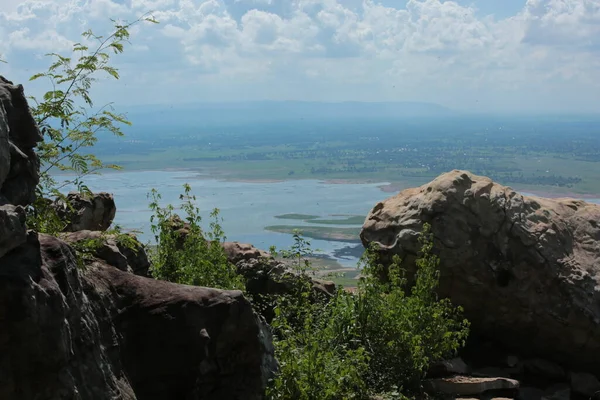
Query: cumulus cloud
{"type": "Point", "coordinates": [430, 50]}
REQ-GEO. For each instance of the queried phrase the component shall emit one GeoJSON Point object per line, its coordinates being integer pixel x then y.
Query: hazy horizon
{"type": "Point", "coordinates": [514, 56]}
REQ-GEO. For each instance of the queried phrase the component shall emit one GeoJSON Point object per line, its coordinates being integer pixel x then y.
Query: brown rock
{"type": "Point", "coordinates": [106, 334]}
{"type": "Point", "coordinates": [526, 269]}
{"type": "Point", "coordinates": [19, 134]}
{"type": "Point", "coordinates": [237, 252]}
{"type": "Point", "coordinates": [13, 231]}
{"type": "Point", "coordinates": [92, 212]}
{"type": "Point", "coordinates": [468, 386]}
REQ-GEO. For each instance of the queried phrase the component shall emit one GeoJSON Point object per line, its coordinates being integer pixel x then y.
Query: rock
{"type": "Point", "coordinates": [525, 269]}
{"type": "Point", "coordinates": [13, 231]}
{"type": "Point", "coordinates": [237, 252]}
{"type": "Point", "coordinates": [584, 384]}
{"type": "Point", "coordinates": [93, 212]}
{"type": "Point", "coordinates": [544, 368]}
{"type": "Point", "coordinates": [101, 333]}
{"type": "Point", "coordinates": [266, 278]}
{"type": "Point", "coordinates": [19, 135]}
{"type": "Point", "coordinates": [125, 253]}
{"type": "Point", "coordinates": [455, 366]}
{"type": "Point", "coordinates": [468, 386]}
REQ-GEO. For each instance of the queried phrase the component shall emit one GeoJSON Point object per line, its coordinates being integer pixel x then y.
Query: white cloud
{"type": "Point", "coordinates": [429, 50]}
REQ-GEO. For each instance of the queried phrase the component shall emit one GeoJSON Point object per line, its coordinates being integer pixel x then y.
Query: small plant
{"type": "Point", "coordinates": [184, 252]}
{"type": "Point", "coordinates": [299, 253]}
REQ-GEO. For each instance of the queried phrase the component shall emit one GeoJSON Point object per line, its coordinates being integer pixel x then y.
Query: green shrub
{"type": "Point", "coordinates": [186, 254]}
{"type": "Point", "coordinates": [380, 340]}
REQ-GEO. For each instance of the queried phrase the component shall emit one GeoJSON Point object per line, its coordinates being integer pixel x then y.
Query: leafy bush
{"type": "Point", "coordinates": [185, 253]}
{"type": "Point", "coordinates": [380, 340]}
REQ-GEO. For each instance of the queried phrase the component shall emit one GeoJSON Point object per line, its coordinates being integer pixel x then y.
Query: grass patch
{"type": "Point", "coordinates": [350, 220]}
{"type": "Point", "coordinates": [350, 235]}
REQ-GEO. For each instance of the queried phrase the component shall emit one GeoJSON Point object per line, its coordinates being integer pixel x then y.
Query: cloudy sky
{"type": "Point", "coordinates": [482, 55]}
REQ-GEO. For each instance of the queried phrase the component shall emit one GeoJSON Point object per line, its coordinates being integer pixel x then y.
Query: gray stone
{"type": "Point", "coordinates": [17, 185]}
{"type": "Point", "coordinates": [525, 269]}
{"type": "Point", "coordinates": [13, 231]}
{"type": "Point", "coordinates": [128, 256]}
{"type": "Point", "coordinates": [91, 212]}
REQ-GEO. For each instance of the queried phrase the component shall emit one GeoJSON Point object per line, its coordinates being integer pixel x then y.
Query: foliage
{"type": "Point", "coordinates": [87, 249]}
{"type": "Point", "coordinates": [68, 121]}
{"type": "Point", "coordinates": [298, 254]}
{"type": "Point", "coordinates": [380, 340]}
{"type": "Point", "coordinates": [184, 252]}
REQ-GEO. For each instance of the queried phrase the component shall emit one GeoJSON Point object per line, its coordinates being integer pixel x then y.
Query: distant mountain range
{"type": "Point", "coordinates": [281, 110]}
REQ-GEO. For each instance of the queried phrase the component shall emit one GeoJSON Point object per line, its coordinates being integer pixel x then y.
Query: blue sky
{"type": "Point", "coordinates": [481, 55]}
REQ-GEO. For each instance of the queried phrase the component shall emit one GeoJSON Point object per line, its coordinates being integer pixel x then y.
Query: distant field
{"type": "Point", "coordinates": [544, 153]}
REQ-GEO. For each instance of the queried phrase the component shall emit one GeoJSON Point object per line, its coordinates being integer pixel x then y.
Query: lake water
{"type": "Point", "coordinates": [246, 208]}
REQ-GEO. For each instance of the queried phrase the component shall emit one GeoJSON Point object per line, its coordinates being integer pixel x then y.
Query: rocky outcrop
{"type": "Point", "coordinates": [87, 211]}
{"type": "Point", "coordinates": [19, 134]}
{"type": "Point", "coordinates": [122, 251]}
{"type": "Point", "coordinates": [106, 333]}
{"type": "Point", "coordinates": [103, 332]}
{"type": "Point", "coordinates": [525, 269]}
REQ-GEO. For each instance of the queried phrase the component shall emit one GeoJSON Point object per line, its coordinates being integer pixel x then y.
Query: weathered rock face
{"type": "Point", "coordinates": [93, 212]}
{"type": "Point", "coordinates": [19, 134]}
{"type": "Point", "coordinates": [106, 333]}
{"type": "Point", "coordinates": [526, 269]}
{"type": "Point", "coordinates": [12, 228]}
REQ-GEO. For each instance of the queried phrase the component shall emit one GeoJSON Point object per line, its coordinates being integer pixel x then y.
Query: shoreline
{"type": "Point", "coordinates": [384, 186]}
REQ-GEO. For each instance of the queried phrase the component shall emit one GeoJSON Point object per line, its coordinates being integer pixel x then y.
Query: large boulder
{"type": "Point", "coordinates": [526, 269]}
{"type": "Point", "coordinates": [102, 333]}
{"type": "Point", "coordinates": [19, 134]}
{"type": "Point", "coordinates": [87, 211]}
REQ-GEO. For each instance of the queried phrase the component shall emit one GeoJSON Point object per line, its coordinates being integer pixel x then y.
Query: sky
{"type": "Point", "coordinates": [469, 55]}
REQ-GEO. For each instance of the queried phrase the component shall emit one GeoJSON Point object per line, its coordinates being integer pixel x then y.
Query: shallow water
{"type": "Point", "coordinates": [246, 208]}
